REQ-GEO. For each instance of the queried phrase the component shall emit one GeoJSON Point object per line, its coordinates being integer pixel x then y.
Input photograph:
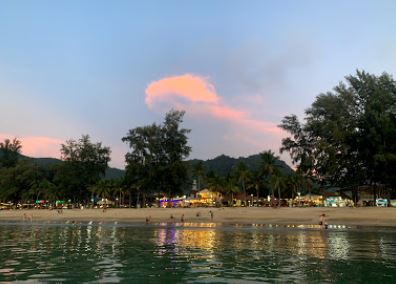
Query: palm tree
{"type": "Point", "coordinates": [277, 182]}
{"type": "Point", "coordinates": [9, 152]}
{"type": "Point", "coordinates": [42, 189]}
{"type": "Point", "coordinates": [118, 192]}
{"type": "Point", "coordinates": [294, 182]}
{"type": "Point", "coordinates": [230, 188]}
{"type": "Point", "coordinates": [242, 174]}
{"type": "Point", "coordinates": [269, 166]}
{"type": "Point", "coordinates": [215, 182]}
{"type": "Point", "coordinates": [268, 162]}
{"type": "Point", "coordinates": [255, 182]}
{"type": "Point", "coordinates": [103, 189]}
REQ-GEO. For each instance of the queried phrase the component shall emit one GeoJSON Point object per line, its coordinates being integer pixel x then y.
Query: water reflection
{"type": "Point", "coordinates": [188, 237]}
{"type": "Point", "coordinates": [184, 252]}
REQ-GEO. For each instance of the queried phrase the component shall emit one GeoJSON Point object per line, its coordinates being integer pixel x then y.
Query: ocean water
{"type": "Point", "coordinates": [194, 253]}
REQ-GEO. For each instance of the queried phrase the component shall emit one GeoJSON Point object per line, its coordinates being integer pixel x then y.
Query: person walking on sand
{"type": "Point", "coordinates": [182, 218]}
{"type": "Point", "coordinates": [211, 215]}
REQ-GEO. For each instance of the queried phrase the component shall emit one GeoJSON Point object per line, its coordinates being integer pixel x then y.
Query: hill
{"type": "Point", "coordinates": [111, 173]}
{"type": "Point", "coordinates": [223, 164]}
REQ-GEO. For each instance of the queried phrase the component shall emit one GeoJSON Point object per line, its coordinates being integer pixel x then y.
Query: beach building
{"type": "Point", "coordinates": [178, 201]}
{"type": "Point", "coordinates": [308, 200]}
{"type": "Point", "coordinates": [205, 198]}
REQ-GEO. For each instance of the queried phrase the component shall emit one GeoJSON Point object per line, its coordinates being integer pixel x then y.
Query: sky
{"type": "Point", "coordinates": [69, 68]}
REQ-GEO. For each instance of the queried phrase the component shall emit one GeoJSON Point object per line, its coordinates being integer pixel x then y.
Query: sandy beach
{"type": "Point", "coordinates": [367, 216]}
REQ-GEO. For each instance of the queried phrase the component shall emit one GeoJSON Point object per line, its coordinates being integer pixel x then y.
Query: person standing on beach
{"type": "Point", "coordinates": [211, 215]}
{"type": "Point", "coordinates": [322, 220]}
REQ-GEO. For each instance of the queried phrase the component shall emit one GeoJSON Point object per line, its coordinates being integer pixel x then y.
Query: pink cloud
{"type": "Point", "coordinates": [225, 112]}
{"type": "Point", "coordinates": [37, 146]}
{"type": "Point", "coordinates": [200, 98]}
{"type": "Point", "coordinates": [190, 87]}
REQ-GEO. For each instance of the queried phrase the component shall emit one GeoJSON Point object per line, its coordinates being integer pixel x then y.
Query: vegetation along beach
{"type": "Point", "coordinates": [342, 156]}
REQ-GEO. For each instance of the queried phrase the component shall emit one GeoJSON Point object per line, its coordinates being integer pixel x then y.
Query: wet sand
{"type": "Point", "coordinates": [367, 216]}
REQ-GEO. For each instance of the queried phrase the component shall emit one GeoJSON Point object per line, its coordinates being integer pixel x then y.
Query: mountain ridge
{"type": "Point", "coordinates": [111, 172]}
{"type": "Point", "coordinates": [222, 164]}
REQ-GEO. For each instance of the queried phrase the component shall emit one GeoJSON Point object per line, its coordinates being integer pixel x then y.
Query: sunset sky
{"type": "Point", "coordinates": [69, 68]}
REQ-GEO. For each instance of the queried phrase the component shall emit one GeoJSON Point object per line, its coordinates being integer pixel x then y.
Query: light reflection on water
{"type": "Point", "coordinates": [193, 252]}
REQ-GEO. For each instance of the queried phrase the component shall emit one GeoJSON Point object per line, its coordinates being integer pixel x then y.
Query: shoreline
{"type": "Point", "coordinates": [362, 216]}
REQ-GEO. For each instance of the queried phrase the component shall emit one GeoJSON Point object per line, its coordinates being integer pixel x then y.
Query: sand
{"type": "Point", "coordinates": [367, 216]}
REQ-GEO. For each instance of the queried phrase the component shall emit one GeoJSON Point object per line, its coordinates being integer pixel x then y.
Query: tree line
{"type": "Point", "coordinates": [347, 139]}
{"type": "Point", "coordinates": [155, 164]}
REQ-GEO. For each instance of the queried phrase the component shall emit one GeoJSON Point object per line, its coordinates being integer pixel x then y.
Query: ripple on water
{"type": "Point", "coordinates": [111, 253]}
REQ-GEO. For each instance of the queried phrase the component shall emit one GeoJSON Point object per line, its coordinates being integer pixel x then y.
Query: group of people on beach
{"type": "Point", "coordinates": [322, 217]}
{"type": "Point", "coordinates": [148, 218]}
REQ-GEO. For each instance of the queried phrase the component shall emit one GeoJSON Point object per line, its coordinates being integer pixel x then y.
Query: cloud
{"type": "Point", "coordinates": [37, 146]}
{"type": "Point", "coordinates": [199, 98]}
{"type": "Point", "coordinates": [190, 87]}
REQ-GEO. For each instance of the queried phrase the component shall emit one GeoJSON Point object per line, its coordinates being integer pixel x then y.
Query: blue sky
{"type": "Point", "coordinates": [69, 68]}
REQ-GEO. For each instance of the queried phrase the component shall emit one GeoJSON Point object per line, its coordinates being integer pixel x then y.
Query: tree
{"type": "Point", "coordinates": [294, 183]}
{"type": "Point", "coordinates": [25, 181]}
{"type": "Point", "coordinates": [348, 132]}
{"type": "Point", "coordinates": [93, 157]}
{"type": "Point", "coordinates": [256, 181]}
{"type": "Point", "coordinates": [175, 139]}
{"type": "Point", "coordinates": [9, 152]}
{"type": "Point", "coordinates": [198, 172]}
{"type": "Point", "coordinates": [230, 188]}
{"type": "Point", "coordinates": [242, 175]}
{"type": "Point", "coordinates": [176, 149]}
{"type": "Point", "coordinates": [215, 182]}
{"type": "Point", "coordinates": [299, 145]}
{"type": "Point", "coordinates": [277, 182]}
{"type": "Point", "coordinates": [144, 160]}
{"type": "Point", "coordinates": [84, 165]}
{"type": "Point", "coordinates": [156, 160]}
{"type": "Point", "coordinates": [268, 167]}
{"type": "Point", "coordinates": [103, 189]}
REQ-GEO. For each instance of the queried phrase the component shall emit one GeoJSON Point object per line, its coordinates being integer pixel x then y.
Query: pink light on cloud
{"type": "Point", "coordinates": [200, 98]}
{"type": "Point", "coordinates": [225, 112]}
{"type": "Point", "coordinates": [190, 87]}
{"type": "Point", "coordinates": [37, 146]}
{"type": "Point", "coordinates": [238, 127]}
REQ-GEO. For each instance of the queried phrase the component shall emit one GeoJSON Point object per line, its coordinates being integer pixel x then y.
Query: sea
{"type": "Point", "coordinates": [113, 252]}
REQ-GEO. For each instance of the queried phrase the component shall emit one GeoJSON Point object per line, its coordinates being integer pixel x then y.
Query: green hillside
{"type": "Point", "coordinates": [223, 164]}
{"type": "Point", "coordinates": [111, 173]}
